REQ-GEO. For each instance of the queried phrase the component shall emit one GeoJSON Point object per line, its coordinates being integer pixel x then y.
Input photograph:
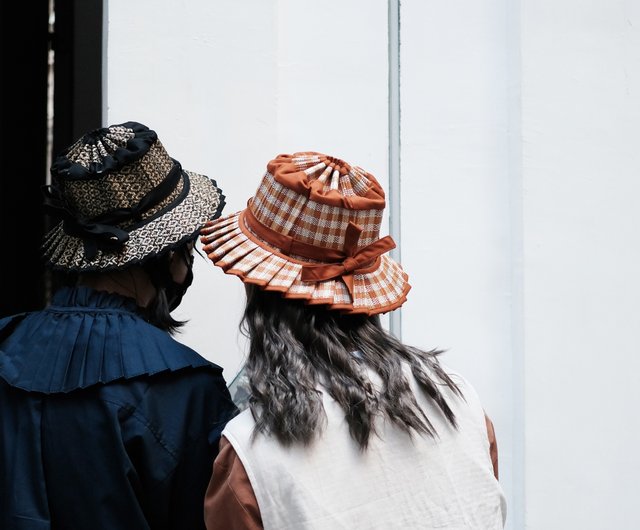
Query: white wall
{"type": "Point", "coordinates": [455, 208]}
{"type": "Point", "coordinates": [229, 85]}
{"type": "Point", "coordinates": [518, 198]}
{"type": "Point", "coordinates": [581, 244]}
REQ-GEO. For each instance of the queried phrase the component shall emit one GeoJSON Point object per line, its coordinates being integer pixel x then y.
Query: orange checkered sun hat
{"type": "Point", "coordinates": [311, 232]}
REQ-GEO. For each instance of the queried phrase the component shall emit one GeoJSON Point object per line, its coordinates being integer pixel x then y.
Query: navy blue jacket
{"type": "Point", "coordinates": [105, 420]}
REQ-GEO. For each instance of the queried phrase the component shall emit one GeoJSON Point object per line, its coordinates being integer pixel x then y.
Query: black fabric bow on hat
{"type": "Point", "coordinates": [97, 233]}
{"type": "Point", "coordinates": [100, 232]}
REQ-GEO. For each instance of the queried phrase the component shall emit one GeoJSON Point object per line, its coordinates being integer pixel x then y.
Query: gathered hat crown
{"type": "Point", "coordinates": [112, 168]}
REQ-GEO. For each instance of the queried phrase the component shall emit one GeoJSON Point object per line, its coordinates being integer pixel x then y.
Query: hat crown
{"type": "Point", "coordinates": [312, 197]}
{"type": "Point", "coordinates": [98, 144]}
{"type": "Point", "coordinates": [112, 168]}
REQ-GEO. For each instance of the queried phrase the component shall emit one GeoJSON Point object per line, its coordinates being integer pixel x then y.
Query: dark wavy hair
{"type": "Point", "coordinates": [295, 347]}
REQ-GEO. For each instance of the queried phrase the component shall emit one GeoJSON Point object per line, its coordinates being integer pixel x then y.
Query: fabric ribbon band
{"type": "Point", "coordinates": [354, 259]}
{"type": "Point", "coordinates": [100, 232]}
{"type": "Point", "coordinates": [342, 264]}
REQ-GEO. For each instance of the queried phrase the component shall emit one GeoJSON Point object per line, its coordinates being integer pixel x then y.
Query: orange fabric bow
{"type": "Point", "coordinates": [355, 259]}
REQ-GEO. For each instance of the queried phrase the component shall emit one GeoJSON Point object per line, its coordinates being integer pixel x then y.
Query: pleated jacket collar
{"type": "Point", "coordinates": [86, 337]}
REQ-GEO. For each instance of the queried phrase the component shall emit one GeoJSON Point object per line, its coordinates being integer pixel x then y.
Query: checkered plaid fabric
{"type": "Point", "coordinates": [288, 212]}
{"type": "Point", "coordinates": [310, 198]}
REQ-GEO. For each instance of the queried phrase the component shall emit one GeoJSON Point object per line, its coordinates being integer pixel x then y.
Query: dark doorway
{"type": "Point", "coordinates": [51, 92]}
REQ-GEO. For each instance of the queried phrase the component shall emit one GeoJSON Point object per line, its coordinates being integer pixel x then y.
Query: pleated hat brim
{"type": "Point", "coordinates": [201, 200]}
{"type": "Point", "coordinates": [231, 245]}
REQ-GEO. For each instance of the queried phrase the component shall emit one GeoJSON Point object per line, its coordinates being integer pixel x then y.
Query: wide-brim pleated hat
{"type": "Point", "coordinates": [312, 232]}
{"type": "Point", "coordinates": [121, 199]}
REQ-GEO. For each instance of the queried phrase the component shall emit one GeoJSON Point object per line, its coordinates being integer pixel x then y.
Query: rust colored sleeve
{"type": "Point", "coordinates": [230, 503]}
{"type": "Point", "coordinates": [493, 444]}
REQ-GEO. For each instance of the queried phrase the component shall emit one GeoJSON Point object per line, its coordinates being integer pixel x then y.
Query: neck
{"type": "Point", "coordinates": [132, 283]}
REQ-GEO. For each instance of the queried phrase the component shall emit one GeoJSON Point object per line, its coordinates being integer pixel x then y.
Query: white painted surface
{"type": "Point", "coordinates": [229, 85]}
{"type": "Point", "coordinates": [519, 193]}
{"type": "Point", "coordinates": [580, 167]}
{"type": "Point", "coordinates": [455, 212]}
{"type": "Point", "coordinates": [204, 76]}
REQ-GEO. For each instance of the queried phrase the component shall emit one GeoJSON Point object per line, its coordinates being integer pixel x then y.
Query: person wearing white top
{"type": "Point", "coordinates": [346, 427]}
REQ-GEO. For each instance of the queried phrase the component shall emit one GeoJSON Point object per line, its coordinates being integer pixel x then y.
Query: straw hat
{"type": "Point", "coordinates": [122, 199]}
{"type": "Point", "coordinates": [311, 232]}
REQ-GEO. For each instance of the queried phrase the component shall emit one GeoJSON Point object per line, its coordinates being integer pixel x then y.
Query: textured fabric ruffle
{"type": "Point", "coordinates": [84, 338]}
{"type": "Point", "coordinates": [111, 155]}
{"type": "Point", "coordinates": [375, 290]}
{"type": "Point", "coordinates": [328, 180]}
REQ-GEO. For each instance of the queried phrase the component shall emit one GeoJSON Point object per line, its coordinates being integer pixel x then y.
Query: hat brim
{"type": "Point", "coordinates": [202, 201]}
{"type": "Point", "coordinates": [230, 245]}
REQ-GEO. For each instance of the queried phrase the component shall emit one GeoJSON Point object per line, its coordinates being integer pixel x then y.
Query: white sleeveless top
{"type": "Point", "coordinates": [399, 482]}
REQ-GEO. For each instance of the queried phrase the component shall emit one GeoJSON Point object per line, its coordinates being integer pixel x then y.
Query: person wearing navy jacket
{"type": "Point", "coordinates": [106, 420]}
